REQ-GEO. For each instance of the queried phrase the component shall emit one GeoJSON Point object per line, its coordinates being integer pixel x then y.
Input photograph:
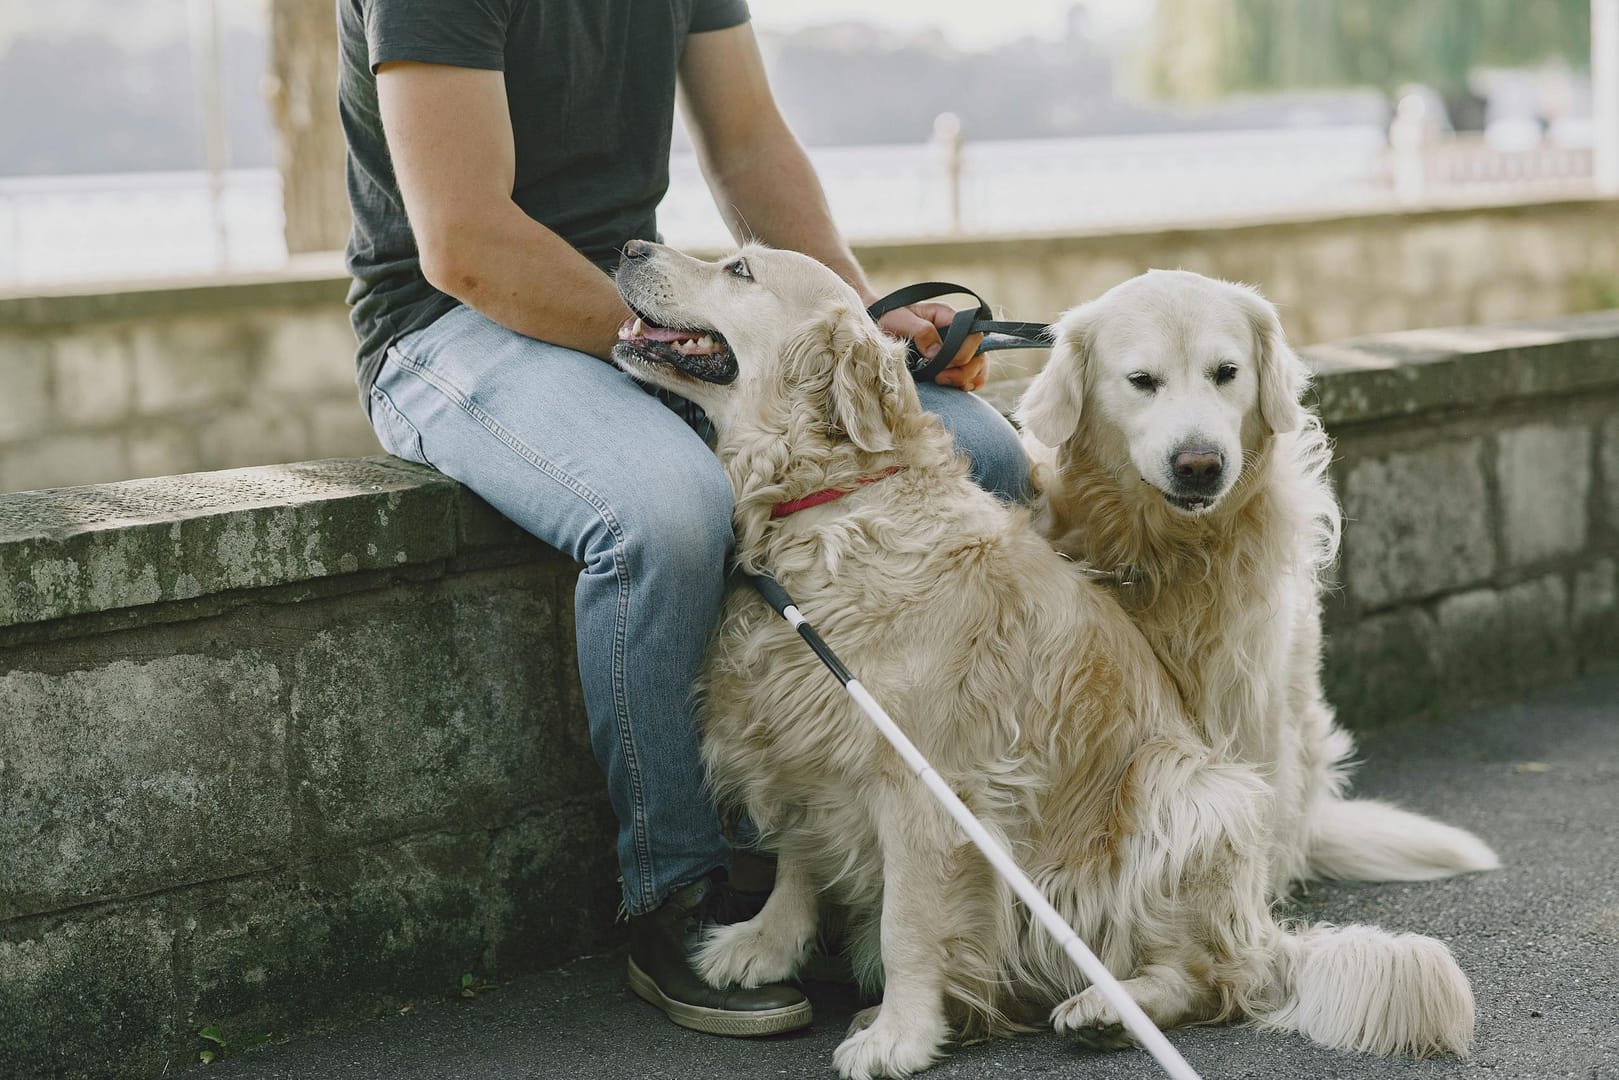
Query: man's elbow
{"type": "Point", "coordinates": [449, 248]}
{"type": "Point", "coordinates": [449, 260]}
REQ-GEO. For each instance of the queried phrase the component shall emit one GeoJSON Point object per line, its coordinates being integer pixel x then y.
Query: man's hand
{"type": "Point", "coordinates": [921, 323]}
{"type": "Point", "coordinates": [765, 188]}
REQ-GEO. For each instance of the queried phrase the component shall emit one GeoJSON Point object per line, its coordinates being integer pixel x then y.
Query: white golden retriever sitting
{"type": "Point", "coordinates": [1172, 454]}
{"type": "Point", "coordinates": [1026, 685]}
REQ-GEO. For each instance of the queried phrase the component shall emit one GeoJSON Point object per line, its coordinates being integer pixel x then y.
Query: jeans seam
{"type": "Point", "coordinates": [391, 412]}
{"type": "Point", "coordinates": [643, 852]}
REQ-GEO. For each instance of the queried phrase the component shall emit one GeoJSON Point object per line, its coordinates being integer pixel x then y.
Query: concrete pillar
{"type": "Point", "coordinates": [1605, 94]}
{"type": "Point", "coordinates": [948, 139]}
{"type": "Point", "coordinates": [1410, 133]}
{"type": "Point", "coordinates": [211, 102]}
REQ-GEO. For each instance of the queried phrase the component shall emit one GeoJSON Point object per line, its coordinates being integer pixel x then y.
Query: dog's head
{"type": "Point", "coordinates": [763, 338]}
{"type": "Point", "coordinates": [1174, 377]}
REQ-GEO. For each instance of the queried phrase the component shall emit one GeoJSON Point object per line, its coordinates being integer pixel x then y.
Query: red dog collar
{"type": "Point", "coordinates": [826, 495]}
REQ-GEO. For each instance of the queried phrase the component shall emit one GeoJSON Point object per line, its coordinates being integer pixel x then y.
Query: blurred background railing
{"type": "Point", "coordinates": [123, 225]}
{"type": "Point", "coordinates": [111, 226]}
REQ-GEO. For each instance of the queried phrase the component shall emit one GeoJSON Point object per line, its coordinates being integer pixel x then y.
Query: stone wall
{"type": "Point", "coordinates": [1479, 474]}
{"type": "Point", "coordinates": [153, 381]}
{"type": "Point", "coordinates": [279, 746]}
{"type": "Point", "coordinates": [158, 380]}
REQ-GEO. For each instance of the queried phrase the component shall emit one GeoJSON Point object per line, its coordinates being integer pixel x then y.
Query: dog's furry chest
{"type": "Point", "coordinates": [1219, 622]}
{"type": "Point", "coordinates": [1215, 644]}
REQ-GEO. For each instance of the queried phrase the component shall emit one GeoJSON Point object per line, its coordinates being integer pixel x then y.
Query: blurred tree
{"type": "Point", "coordinates": [1203, 49]}
{"type": "Point", "coordinates": [303, 100]}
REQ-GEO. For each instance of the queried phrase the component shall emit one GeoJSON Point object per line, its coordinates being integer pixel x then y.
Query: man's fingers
{"type": "Point", "coordinates": [941, 316]}
{"type": "Point", "coordinates": [966, 376]}
{"type": "Point", "coordinates": [936, 313]}
{"type": "Point", "coordinates": [968, 350]}
{"type": "Point", "coordinates": [927, 339]}
{"type": "Point", "coordinates": [923, 324]}
{"type": "Point", "coordinates": [906, 324]}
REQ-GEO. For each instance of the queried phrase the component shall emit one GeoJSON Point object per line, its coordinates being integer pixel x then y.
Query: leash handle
{"type": "Point", "coordinates": [998, 333]}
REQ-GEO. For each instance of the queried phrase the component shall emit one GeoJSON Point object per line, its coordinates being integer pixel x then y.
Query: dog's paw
{"type": "Point", "coordinates": [749, 954]}
{"type": "Point", "coordinates": [1092, 1019]}
{"type": "Point", "coordinates": [862, 1020]}
{"type": "Point", "coordinates": [889, 1045]}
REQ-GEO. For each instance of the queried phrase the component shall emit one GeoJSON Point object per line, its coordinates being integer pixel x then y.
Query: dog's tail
{"type": "Point", "coordinates": [1361, 988]}
{"type": "Point", "coordinates": [1367, 840]}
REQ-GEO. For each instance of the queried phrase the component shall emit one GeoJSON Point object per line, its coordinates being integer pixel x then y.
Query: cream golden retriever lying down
{"type": "Point", "coordinates": [1028, 688]}
{"type": "Point", "coordinates": [1171, 451]}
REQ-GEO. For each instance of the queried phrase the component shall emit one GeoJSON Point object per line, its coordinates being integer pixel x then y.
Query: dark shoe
{"type": "Point", "coordinates": [661, 972]}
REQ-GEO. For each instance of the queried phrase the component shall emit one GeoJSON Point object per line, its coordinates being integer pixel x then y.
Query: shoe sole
{"type": "Point", "coordinates": [742, 1025]}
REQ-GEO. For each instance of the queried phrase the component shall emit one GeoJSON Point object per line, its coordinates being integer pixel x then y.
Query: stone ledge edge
{"type": "Point", "coordinates": [409, 517]}
{"type": "Point", "coordinates": [78, 567]}
{"type": "Point", "coordinates": [1443, 369]}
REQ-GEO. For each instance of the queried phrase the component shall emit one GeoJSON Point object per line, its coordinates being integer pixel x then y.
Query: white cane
{"type": "Point", "coordinates": [1134, 1019]}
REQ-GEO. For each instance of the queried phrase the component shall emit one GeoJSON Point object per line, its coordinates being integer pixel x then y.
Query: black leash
{"type": "Point", "coordinates": [998, 333]}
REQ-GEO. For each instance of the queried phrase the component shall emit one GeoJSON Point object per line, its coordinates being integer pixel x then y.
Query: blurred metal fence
{"type": "Point", "coordinates": [1054, 185]}
{"type": "Point", "coordinates": [137, 225]}
{"type": "Point", "coordinates": [1466, 168]}
{"type": "Point", "coordinates": [55, 229]}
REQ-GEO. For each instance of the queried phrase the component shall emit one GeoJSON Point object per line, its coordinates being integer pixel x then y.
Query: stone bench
{"type": "Point", "coordinates": [285, 745]}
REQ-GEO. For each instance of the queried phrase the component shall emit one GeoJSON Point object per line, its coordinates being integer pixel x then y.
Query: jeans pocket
{"type": "Point", "coordinates": [397, 435]}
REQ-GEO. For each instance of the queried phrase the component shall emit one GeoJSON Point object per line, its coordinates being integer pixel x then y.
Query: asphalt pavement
{"type": "Point", "coordinates": [1538, 779]}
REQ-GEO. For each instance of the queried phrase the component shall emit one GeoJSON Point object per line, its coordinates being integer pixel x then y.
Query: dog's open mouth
{"type": "Point", "coordinates": [1191, 504]}
{"type": "Point", "coordinates": [700, 352]}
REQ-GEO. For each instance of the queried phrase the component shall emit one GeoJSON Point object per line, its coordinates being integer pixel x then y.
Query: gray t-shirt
{"type": "Point", "coordinates": [591, 88]}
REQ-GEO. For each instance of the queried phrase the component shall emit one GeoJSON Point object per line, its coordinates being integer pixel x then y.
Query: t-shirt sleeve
{"type": "Point", "coordinates": [460, 33]}
{"type": "Point", "coordinates": [717, 15]}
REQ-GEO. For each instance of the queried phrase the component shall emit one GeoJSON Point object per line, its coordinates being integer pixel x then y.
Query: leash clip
{"type": "Point", "coordinates": [1121, 578]}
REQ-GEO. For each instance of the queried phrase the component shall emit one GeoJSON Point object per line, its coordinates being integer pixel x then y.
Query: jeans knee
{"type": "Point", "coordinates": [1000, 466]}
{"type": "Point", "coordinates": [686, 529]}
{"type": "Point", "coordinates": [991, 443]}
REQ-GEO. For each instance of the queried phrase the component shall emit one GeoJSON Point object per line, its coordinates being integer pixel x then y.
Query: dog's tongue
{"type": "Point", "coordinates": [688, 342]}
{"type": "Point", "coordinates": [664, 333]}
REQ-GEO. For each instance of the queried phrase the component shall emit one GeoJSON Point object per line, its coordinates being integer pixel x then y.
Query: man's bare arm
{"type": "Point", "coordinates": [449, 134]}
{"type": "Point", "coordinates": [762, 180]}
{"type": "Point", "coordinates": [765, 186]}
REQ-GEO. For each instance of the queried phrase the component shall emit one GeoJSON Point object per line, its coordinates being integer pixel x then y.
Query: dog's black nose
{"type": "Point", "coordinates": [1198, 468]}
{"type": "Point", "coordinates": [637, 249]}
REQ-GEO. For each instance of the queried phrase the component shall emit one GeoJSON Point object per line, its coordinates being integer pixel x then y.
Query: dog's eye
{"type": "Point", "coordinates": [1142, 381]}
{"type": "Point", "coordinates": [1224, 374]}
{"type": "Point", "coordinates": [738, 268]}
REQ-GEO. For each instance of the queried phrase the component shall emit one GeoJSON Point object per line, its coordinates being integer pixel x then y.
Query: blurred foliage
{"type": "Point", "coordinates": [1203, 49]}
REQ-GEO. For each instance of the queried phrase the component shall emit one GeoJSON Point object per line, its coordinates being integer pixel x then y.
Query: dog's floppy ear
{"type": "Point", "coordinates": [1282, 375]}
{"type": "Point", "coordinates": [1049, 409]}
{"type": "Point", "coordinates": [861, 370]}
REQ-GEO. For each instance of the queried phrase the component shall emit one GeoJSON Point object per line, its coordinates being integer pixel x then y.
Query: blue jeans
{"type": "Point", "coordinates": [619, 478]}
